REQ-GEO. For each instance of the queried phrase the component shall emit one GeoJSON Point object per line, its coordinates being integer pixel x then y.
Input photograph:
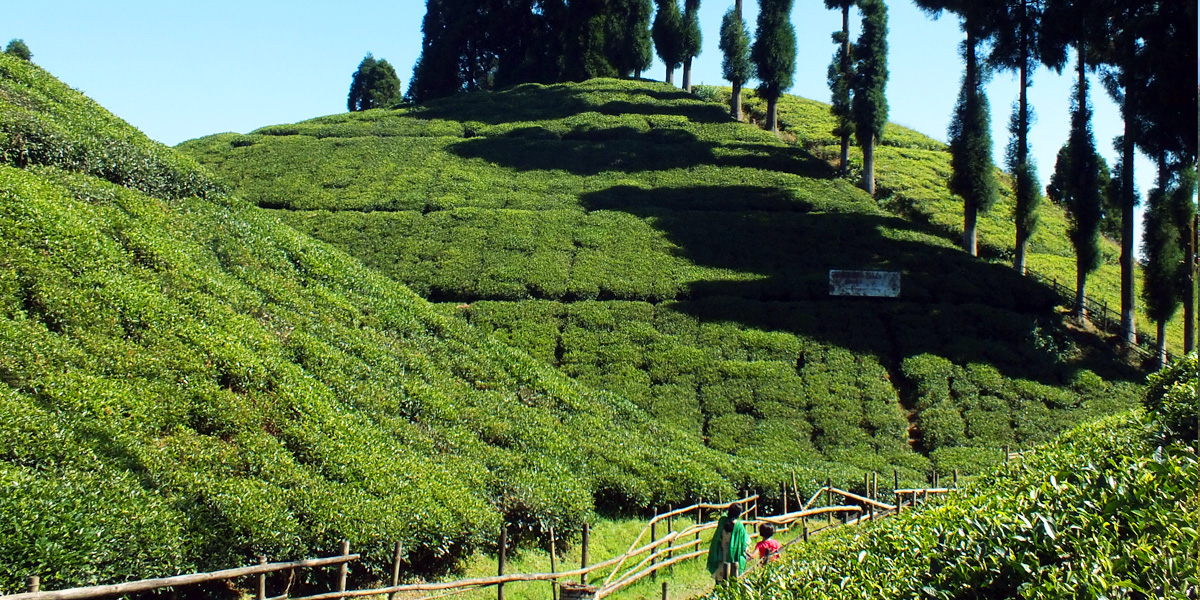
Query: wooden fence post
{"type": "Point", "coordinates": [664, 591]}
{"type": "Point", "coordinates": [875, 485]}
{"type": "Point", "coordinates": [262, 580]}
{"type": "Point", "coordinates": [866, 485]}
{"type": "Point", "coordinates": [503, 555]}
{"type": "Point", "coordinates": [587, 531]}
{"type": "Point", "coordinates": [828, 491]}
{"type": "Point", "coordinates": [344, 569]}
{"type": "Point", "coordinates": [396, 569]}
{"type": "Point", "coordinates": [553, 566]}
{"type": "Point", "coordinates": [699, 518]}
{"type": "Point", "coordinates": [783, 488]}
{"type": "Point", "coordinates": [1006, 455]}
{"type": "Point", "coordinates": [653, 542]}
{"type": "Point", "coordinates": [33, 584]}
{"type": "Point", "coordinates": [670, 530]}
{"type": "Point", "coordinates": [806, 529]}
{"type": "Point", "coordinates": [896, 495]}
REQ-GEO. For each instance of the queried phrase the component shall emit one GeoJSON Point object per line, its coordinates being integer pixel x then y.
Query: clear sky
{"type": "Point", "coordinates": [179, 70]}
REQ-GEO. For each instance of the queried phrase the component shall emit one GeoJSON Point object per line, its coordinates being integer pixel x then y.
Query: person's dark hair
{"type": "Point", "coordinates": [734, 511]}
{"type": "Point", "coordinates": [766, 530]}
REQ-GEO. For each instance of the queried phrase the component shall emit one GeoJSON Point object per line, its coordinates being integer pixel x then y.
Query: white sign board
{"type": "Point", "coordinates": [871, 284]}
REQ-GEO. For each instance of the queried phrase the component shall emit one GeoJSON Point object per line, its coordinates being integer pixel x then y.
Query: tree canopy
{"type": "Point", "coordinates": [774, 54]}
{"type": "Point", "coordinates": [18, 49]}
{"type": "Point", "coordinates": [374, 85]}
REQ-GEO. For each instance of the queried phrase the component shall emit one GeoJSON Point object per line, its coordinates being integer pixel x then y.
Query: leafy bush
{"type": "Point", "coordinates": [1173, 400]}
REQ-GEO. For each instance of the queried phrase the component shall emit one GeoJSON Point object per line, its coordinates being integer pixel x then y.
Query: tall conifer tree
{"type": "Point", "coordinates": [972, 173]}
{"type": "Point", "coordinates": [628, 37]}
{"type": "Point", "coordinates": [667, 35]}
{"type": "Point", "coordinates": [774, 54]}
{"type": "Point", "coordinates": [869, 102]}
{"type": "Point", "coordinates": [1015, 29]}
{"type": "Point", "coordinates": [1076, 185]}
{"type": "Point", "coordinates": [690, 39]}
{"type": "Point", "coordinates": [972, 176]}
{"type": "Point", "coordinates": [735, 46]}
{"type": "Point", "coordinates": [1167, 271]}
{"type": "Point", "coordinates": [840, 74]}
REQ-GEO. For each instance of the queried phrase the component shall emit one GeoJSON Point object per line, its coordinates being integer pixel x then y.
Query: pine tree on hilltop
{"type": "Point", "coordinates": [374, 85]}
{"type": "Point", "coordinates": [840, 74]}
{"type": "Point", "coordinates": [668, 36]}
{"type": "Point", "coordinates": [18, 49]}
{"type": "Point", "coordinates": [690, 39]}
{"type": "Point", "coordinates": [628, 37]}
{"type": "Point", "coordinates": [869, 106]}
{"type": "Point", "coordinates": [774, 54]}
{"type": "Point", "coordinates": [735, 46]}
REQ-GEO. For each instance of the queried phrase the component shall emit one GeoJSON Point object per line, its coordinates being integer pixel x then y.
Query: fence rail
{"type": "Point", "coordinates": [1104, 318]}
{"type": "Point", "coordinates": [652, 556]}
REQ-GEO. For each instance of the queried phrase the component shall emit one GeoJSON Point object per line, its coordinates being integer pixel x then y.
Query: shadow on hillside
{"type": "Point", "coordinates": [960, 308]}
{"type": "Point", "coordinates": [531, 102]}
{"type": "Point", "coordinates": [589, 151]}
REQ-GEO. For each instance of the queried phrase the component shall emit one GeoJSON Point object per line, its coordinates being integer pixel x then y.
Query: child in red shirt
{"type": "Point", "coordinates": [767, 549]}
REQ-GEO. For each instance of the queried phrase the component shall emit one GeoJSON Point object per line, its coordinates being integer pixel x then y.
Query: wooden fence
{"type": "Point", "coordinates": [648, 554]}
{"type": "Point", "coordinates": [1104, 318]}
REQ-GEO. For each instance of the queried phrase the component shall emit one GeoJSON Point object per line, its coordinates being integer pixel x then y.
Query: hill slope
{"type": "Point", "coordinates": [186, 383]}
{"type": "Point", "coordinates": [631, 235]}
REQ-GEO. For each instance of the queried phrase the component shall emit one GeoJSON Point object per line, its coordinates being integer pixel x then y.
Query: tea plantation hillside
{"type": "Point", "coordinates": [634, 237]}
{"type": "Point", "coordinates": [1106, 511]}
{"type": "Point", "coordinates": [185, 382]}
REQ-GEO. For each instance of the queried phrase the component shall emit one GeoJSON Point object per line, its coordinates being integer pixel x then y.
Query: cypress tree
{"type": "Point", "coordinates": [1167, 272]}
{"type": "Point", "coordinates": [839, 76]}
{"type": "Point", "coordinates": [373, 85]}
{"type": "Point", "coordinates": [667, 35]}
{"type": "Point", "coordinates": [735, 46]}
{"type": "Point", "coordinates": [690, 39]}
{"type": "Point", "coordinates": [869, 102]}
{"type": "Point", "coordinates": [628, 36]}
{"type": "Point", "coordinates": [774, 54]}
{"type": "Point", "coordinates": [1015, 29]}
{"type": "Point", "coordinates": [972, 176]}
{"type": "Point", "coordinates": [1076, 185]}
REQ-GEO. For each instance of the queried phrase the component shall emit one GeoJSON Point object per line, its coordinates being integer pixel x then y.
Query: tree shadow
{"type": "Point", "coordinates": [951, 305]}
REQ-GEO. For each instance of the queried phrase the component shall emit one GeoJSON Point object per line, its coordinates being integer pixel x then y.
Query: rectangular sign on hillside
{"type": "Point", "coordinates": [871, 284]}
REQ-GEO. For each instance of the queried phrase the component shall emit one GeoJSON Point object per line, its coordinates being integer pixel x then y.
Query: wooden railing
{"type": "Point", "coordinates": [648, 554]}
{"type": "Point", "coordinates": [1099, 314]}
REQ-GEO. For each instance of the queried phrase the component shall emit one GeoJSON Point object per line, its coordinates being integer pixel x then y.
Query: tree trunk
{"type": "Point", "coordinates": [970, 210]}
{"type": "Point", "coordinates": [735, 102]}
{"type": "Point", "coordinates": [1080, 291]}
{"type": "Point", "coordinates": [1161, 346]}
{"type": "Point", "coordinates": [1023, 232]}
{"type": "Point", "coordinates": [868, 176]}
{"type": "Point", "coordinates": [1189, 290]}
{"type": "Point", "coordinates": [844, 163]}
{"type": "Point", "coordinates": [773, 115]}
{"type": "Point", "coordinates": [1128, 238]}
{"type": "Point", "coordinates": [670, 75]}
{"type": "Point", "coordinates": [687, 75]}
{"type": "Point", "coordinates": [970, 216]}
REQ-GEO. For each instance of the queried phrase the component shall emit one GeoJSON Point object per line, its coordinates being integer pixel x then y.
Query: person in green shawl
{"type": "Point", "coordinates": [727, 553]}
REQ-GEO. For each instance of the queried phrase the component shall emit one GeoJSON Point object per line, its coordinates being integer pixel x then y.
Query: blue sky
{"type": "Point", "coordinates": [180, 70]}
